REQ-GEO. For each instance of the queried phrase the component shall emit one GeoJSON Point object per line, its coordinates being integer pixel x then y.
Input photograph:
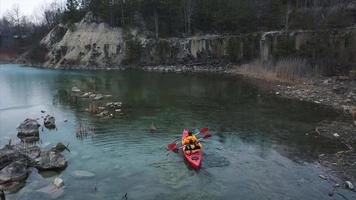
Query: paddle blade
{"type": "Point", "coordinates": [207, 136]}
{"type": "Point", "coordinates": [204, 130]}
{"type": "Point", "coordinates": [172, 146]}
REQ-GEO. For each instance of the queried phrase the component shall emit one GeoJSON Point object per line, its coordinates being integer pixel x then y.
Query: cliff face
{"type": "Point", "coordinates": [96, 45]}
{"type": "Point", "coordinates": [89, 44]}
{"type": "Point", "coordinates": [333, 50]}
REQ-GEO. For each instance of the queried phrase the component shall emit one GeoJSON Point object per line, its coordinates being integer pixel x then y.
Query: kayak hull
{"type": "Point", "coordinates": [194, 158]}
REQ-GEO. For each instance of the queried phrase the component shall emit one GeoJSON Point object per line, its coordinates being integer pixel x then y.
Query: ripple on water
{"type": "Point", "coordinates": [214, 160]}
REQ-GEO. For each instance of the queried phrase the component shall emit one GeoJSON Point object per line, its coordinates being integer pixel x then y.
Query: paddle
{"type": "Point", "coordinates": [204, 138]}
{"type": "Point", "coordinates": [173, 145]}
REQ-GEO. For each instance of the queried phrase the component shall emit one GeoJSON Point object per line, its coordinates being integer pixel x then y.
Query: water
{"type": "Point", "coordinates": [259, 149]}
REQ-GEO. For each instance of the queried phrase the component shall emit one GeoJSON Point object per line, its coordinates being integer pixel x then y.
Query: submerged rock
{"type": "Point", "coordinates": [16, 171]}
{"type": "Point", "coordinates": [53, 191]}
{"type": "Point", "coordinates": [349, 185]}
{"type": "Point", "coordinates": [83, 174]}
{"type": "Point", "coordinates": [28, 128]}
{"type": "Point", "coordinates": [50, 122]}
{"type": "Point", "coordinates": [58, 182]}
{"type": "Point", "coordinates": [50, 160]}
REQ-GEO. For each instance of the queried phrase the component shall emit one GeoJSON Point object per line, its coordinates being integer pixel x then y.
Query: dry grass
{"type": "Point", "coordinates": [285, 70]}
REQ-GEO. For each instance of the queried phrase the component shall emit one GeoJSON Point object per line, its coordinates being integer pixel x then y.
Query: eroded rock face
{"type": "Point", "coordinates": [28, 128]}
{"type": "Point", "coordinates": [50, 160]}
{"type": "Point", "coordinates": [16, 171]}
{"type": "Point", "coordinates": [50, 122]}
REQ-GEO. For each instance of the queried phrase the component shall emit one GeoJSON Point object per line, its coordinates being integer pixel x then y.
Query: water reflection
{"type": "Point", "coordinates": [259, 149]}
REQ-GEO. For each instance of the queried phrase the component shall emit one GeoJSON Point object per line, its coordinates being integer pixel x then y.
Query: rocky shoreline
{"type": "Point", "coordinates": [18, 160]}
{"type": "Point", "coordinates": [339, 93]}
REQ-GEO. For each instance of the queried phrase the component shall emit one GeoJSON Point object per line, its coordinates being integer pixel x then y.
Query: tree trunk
{"type": "Point", "coordinates": [288, 12]}
{"type": "Point", "coordinates": [122, 13]}
{"type": "Point", "coordinates": [156, 23]}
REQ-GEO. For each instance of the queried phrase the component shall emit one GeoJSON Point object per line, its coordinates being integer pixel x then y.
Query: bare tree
{"type": "Point", "coordinates": [188, 11]}
{"type": "Point", "coordinates": [14, 16]}
{"type": "Point", "coordinates": [51, 14]}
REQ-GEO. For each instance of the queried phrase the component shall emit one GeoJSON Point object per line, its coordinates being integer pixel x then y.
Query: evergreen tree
{"type": "Point", "coordinates": [72, 11]}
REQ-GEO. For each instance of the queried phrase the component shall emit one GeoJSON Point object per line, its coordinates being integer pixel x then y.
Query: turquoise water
{"type": "Point", "coordinates": [259, 149]}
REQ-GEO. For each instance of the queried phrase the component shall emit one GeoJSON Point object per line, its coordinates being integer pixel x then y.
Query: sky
{"type": "Point", "coordinates": [27, 7]}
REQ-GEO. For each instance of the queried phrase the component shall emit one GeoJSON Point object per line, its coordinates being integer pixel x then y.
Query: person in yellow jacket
{"type": "Point", "coordinates": [191, 142]}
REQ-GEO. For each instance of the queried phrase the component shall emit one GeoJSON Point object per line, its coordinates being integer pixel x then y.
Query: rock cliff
{"type": "Point", "coordinates": [97, 45]}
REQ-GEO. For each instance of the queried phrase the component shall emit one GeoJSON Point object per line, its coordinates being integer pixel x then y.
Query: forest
{"type": "Point", "coordinates": [165, 18]}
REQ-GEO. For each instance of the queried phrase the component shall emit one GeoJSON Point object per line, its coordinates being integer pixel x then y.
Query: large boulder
{"type": "Point", "coordinates": [8, 155]}
{"type": "Point", "coordinates": [50, 122]}
{"type": "Point", "coordinates": [28, 128]}
{"type": "Point", "coordinates": [16, 171]}
{"type": "Point", "coordinates": [50, 160]}
{"type": "Point", "coordinates": [31, 153]}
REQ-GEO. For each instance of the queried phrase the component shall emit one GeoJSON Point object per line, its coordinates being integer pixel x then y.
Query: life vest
{"type": "Point", "coordinates": [190, 139]}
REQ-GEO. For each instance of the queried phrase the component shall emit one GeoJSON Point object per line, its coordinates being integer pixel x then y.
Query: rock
{"type": "Point", "coordinates": [66, 120]}
{"type": "Point", "coordinates": [348, 101]}
{"type": "Point", "coordinates": [107, 96]}
{"type": "Point", "coordinates": [53, 191]}
{"type": "Point", "coordinates": [153, 128]}
{"type": "Point", "coordinates": [109, 104]}
{"type": "Point", "coordinates": [59, 148]}
{"type": "Point", "coordinates": [86, 157]}
{"type": "Point", "coordinates": [50, 160]}
{"type": "Point", "coordinates": [16, 171]}
{"type": "Point", "coordinates": [9, 155]}
{"type": "Point", "coordinates": [87, 94]}
{"type": "Point", "coordinates": [50, 122]}
{"type": "Point", "coordinates": [75, 89]}
{"type": "Point", "coordinates": [277, 93]}
{"type": "Point", "coordinates": [98, 97]}
{"type": "Point", "coordinates": [83, 174]}
{"type": "Point", "coordinates": [92, 96]}
{"type": "Point", "coordinates": [42, 111]}
{"type": "Point", "coordinates": [103, 114]}
{"type": "Point", "coordinates": [349, 185]}
{"type": "Point", "coordinates": [28, 128]}
{"type": "Point", "coordinates": [118, 110]}
{"type": "Point", "coordinates": [323, 177]}
{"type": "Point", "coordinates": [31, 153]}
{"type": "Point", "coordinates": [117, 103]}
{"type": "Point", "coordinates": [336, 135]}
{"type": "Point", "coordinates": [58, 182]}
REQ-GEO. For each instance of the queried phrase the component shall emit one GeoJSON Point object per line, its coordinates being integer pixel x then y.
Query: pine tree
{"type": "Point", "coordinates": [72, 9]}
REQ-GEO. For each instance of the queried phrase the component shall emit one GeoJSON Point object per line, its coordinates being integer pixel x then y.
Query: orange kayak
{"type": "Point", "coordinates": [193, 158]}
